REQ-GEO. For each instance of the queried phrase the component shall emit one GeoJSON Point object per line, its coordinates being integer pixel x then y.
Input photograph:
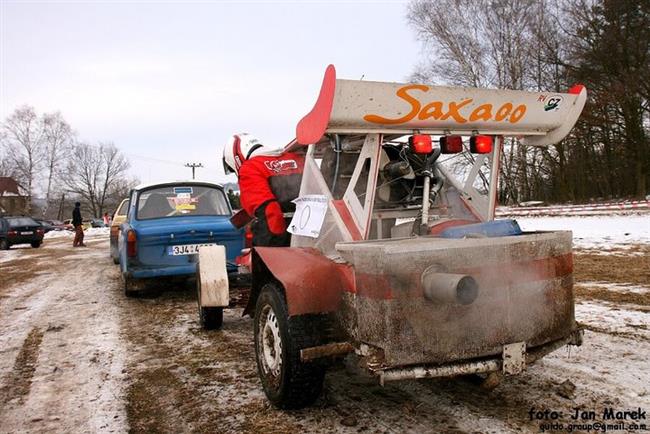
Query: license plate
{"type": "Point", "coordinates": [26, 233]}
{"type": "Point", "coordinates": [185, 249]}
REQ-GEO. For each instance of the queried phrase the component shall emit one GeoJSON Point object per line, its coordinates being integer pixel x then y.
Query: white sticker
{"type": "Point", "coordinates": [309, 216]}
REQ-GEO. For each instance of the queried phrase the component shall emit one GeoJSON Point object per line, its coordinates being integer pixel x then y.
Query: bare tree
{"type": "Point", "coordinates": [93, 172]}
{"type": "Point", "coordinates": [23, 138]}
{"type": "Point", "coordinates": [6, 166]}
{"type": "Point", "coordinates": [58, 137]}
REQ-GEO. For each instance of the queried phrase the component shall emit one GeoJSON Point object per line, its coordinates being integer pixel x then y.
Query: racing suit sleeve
{"type": "Point", "coordinates": [275, 218]}
{"type": "Point", "coordinates": [256, 192]}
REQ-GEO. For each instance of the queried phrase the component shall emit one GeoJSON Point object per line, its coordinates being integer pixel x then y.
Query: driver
{"type": "Point", "coordinates": [268, 182]}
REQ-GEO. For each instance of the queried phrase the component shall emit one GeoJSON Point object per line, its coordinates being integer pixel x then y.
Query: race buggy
{"type": "Point", "coordinates": [396, 255]}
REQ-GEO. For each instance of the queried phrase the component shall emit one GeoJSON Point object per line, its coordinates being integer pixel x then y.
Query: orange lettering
{"type": "Point", "coordinates": [503, 112]}
{"type": "Point", "coordinates": [453, 111]}
{"type": "Point", "coordinates": [482, 112]}
{"type": "Point", "coordinates": [517, 114]}
{"type": "Point", "coordinates": [436, 110]}
{"type": "Point", "coordinates": [402, 93]}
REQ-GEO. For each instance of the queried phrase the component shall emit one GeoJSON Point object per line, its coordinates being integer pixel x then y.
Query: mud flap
{"type": "Point", "coordinates": [213, 275]}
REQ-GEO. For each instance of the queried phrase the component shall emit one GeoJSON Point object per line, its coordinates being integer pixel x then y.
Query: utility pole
{"type": "Point", "coordinates": [193, 166]}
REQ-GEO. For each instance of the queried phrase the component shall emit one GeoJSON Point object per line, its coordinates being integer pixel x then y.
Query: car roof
{"type": "Point", "coordinates": [163, 184]}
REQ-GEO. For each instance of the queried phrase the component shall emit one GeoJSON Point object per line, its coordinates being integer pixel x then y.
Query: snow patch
{"type": "Point", "coordinates": [595, 232]}
{"type": "Point", "coordinates": [614, 318]}
{"type": "Point", "coordinates": [616, 287]}
{"type": "Point", "coordinates": [91, 233]}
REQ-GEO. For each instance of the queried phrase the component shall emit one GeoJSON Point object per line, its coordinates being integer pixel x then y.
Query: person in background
{"type": "Point", "coordinates": [234, 199]}
{"type": "Point", "coordinates": [77, 222]}
{"type": "Point", "coordinates": [107, 219]}
{"type": "Point", "coordinates": [268, 182]}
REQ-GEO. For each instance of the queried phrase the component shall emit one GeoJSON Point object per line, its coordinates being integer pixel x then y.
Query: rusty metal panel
{"type": "Point", "coordinates": [312, 282]}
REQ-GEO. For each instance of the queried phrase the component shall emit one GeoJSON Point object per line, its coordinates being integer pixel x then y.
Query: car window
{"type": "Point", "coordinates": [22, 221]}
{"type": "Point", "coordinates": [123, 208]}
{"type": "Point", "coordinates": [181, 200]}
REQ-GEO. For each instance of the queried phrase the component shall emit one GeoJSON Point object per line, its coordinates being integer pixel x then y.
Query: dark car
{"type": "Point", "coordinates": [20, 230]}
{"type": "Point", "coordinates": [45, 225]}
{"type": "Point", "coordinates": [57, 225]}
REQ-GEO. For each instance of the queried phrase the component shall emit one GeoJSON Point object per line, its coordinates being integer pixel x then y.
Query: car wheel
{"type": "Point", "coordinates": [4, 244]}
{"type": "Point", "coordinates": [210, 318]}
{"type": "Point", "coordinates": [288, 383]}
{"type": "Point", "coordinates": [128, 286]}
{"type": "Point", "coordinates": [36, 244]}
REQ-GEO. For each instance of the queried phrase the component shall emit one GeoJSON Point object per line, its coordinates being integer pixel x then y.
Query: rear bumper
{"type": "Point", "coordinates": [487, 365]}
{"type": "Point", "coordinates": [26, 239]}
{"type": "Point", "coordinates": [176, 270]}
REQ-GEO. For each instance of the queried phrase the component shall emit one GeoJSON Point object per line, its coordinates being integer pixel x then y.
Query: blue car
{"type": "Point", "coordinates": [167, 224]}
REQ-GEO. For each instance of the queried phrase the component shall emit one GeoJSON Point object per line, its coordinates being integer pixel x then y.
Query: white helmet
{"type": "Point", "coordinates": [239, 148]}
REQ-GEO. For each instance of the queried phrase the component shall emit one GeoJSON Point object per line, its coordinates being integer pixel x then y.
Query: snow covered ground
{"type": "Point", "coordinates": [90, 233]}
{"type": "Point", "coordinates": [78, 356]}
{"type": "Point", "coordinates": [596, 232]}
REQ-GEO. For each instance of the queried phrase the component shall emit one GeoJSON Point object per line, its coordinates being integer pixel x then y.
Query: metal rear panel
{"type": "Point", "coordinates": [525, 295]}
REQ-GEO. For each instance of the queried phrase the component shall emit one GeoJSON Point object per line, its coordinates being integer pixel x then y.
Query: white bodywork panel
{"type": "Point", "coordinates": [362, 212]}
{"type": "Point", "coordinates": [215, 291]}
{"type": "Point", "coordinates": [366, 106]}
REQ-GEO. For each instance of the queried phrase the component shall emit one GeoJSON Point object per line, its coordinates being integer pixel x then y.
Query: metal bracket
{"type": "Point", "coordinates": [514, 358]}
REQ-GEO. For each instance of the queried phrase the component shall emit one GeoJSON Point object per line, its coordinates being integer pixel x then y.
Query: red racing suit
{"type": "Point", "coordinates": [267, 186]}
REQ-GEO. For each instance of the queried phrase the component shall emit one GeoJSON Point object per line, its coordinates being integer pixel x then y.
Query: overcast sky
{"type": "Point", "coordinates": [168, 82]}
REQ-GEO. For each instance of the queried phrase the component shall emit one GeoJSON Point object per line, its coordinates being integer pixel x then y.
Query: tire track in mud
{"type": "Point", "coordinates": [75, 379]}
{"type": "Point", "coordinates": [17, 383]}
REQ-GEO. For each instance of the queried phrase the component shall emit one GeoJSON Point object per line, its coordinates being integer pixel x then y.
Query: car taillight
{"type": "Point", "coordinates": [40, 231]}
{"type": "Point", "coordinates": [12, 233]}
{"type": "Point", "coordinates": [421, 144]}
{"type": "Point", "coordinates": [480, 144]}
{"type": "Point", "coordinates": [131, 244]}
{"type": "Point", "coordinates": [248, 237]}
{"type": "Point", "coordinates": [451, 144]}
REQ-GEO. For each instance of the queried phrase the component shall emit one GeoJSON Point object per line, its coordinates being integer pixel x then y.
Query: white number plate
{"type": "Point", "coordinates": [185, 249]}
{"type": "Point", "coordinates": [26, 233]}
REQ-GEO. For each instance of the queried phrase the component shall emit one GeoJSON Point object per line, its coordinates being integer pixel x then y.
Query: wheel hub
{"type": "Point", "coordinates": [270, 342]}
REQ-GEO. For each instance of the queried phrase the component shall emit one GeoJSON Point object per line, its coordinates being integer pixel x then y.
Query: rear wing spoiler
{"type": "Point", "coordinates": [363, 107]}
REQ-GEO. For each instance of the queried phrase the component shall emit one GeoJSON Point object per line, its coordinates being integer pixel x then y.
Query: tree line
{"type": "Point", "coordinates": [46, 158]}
{"type": "Point", "coordinates": [549, 45]}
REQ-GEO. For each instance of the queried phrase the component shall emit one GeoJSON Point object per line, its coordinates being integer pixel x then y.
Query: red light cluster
{"type": "Point", "coordinates": [421, 144]}
{"type": "Point", "coordinates": [451, 144]}
{"type": "Point", "coordinates": [131, 244]}
{"type": "Point", "coordinates": [480, 144]}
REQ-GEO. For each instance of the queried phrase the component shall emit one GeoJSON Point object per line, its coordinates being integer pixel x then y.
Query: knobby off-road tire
{"type": "Point", "coordinates": [288, 383]}
{"type": "Point", "coordinates": [210, 318]}
{"type": "Point", "coordinates": [4, 244]}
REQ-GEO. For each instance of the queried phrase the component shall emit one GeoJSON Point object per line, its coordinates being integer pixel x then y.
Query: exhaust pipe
{"type": "Point", "coordinates": [448, 288]}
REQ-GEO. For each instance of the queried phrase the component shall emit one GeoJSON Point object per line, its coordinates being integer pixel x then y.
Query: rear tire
{"type": "Point", "coordinates": [128, 287]}
{"type": "Point", "coordinates": [36, 244]}
{"type": "Point", "coordinates": [4, 244]}
{"type": "Point", "coordinates": [288, 383]}
{"type": "Point", "coordinates": [210, 318]}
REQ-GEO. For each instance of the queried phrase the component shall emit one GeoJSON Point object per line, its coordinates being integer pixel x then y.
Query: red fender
{"type": "Point", "coordinates": [312, 282]}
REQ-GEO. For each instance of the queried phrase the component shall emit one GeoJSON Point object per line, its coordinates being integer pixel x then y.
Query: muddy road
{"type": "Point", "coordinates": [77, 356]}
